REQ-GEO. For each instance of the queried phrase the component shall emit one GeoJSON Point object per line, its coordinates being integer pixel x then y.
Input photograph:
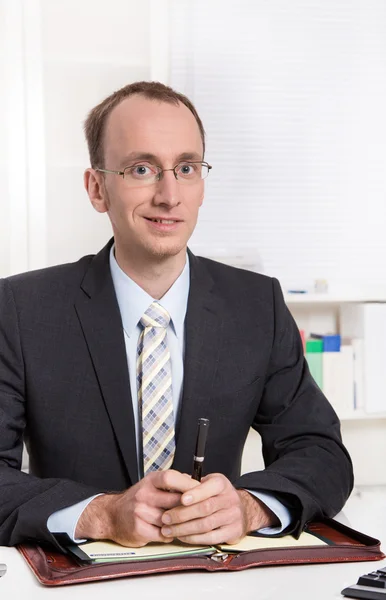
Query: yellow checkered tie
{"type": "Point", "coordinates": [155, 397]}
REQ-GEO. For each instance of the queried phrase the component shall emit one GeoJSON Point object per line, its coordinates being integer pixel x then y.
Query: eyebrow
{"type": "Point", "coordinates": [137, 156]}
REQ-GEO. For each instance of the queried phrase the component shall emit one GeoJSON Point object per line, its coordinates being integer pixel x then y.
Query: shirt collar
{"type": "Point", "coordinates": [133, 300]}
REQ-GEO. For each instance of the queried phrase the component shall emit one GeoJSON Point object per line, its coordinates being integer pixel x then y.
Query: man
{"type": "Point", "coordinates": [107, 364]}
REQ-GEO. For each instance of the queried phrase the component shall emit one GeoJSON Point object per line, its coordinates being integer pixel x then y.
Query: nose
{"type": "Point", "coordinates": [167, 190]}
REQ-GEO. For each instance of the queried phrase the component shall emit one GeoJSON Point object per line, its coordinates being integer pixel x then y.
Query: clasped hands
{"type": "Point", "coordinates": [167, 505]}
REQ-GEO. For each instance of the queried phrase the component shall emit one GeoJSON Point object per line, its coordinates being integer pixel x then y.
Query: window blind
{"type": "Point", "coordinates": [292, 96]}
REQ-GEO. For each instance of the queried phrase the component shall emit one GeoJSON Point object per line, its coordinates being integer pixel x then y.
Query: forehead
{"type": "Point", "coordinates": [139, 124]}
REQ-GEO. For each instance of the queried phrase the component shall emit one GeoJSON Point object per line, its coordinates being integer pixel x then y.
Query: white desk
{"type": "Point", "coordinates": [365, 510]}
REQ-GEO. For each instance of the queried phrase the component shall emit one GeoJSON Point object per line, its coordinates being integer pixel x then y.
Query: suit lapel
{"type": "Point", "coordinates": [203, 332]}
{"type": "Point", "coordinates": [99, 315]}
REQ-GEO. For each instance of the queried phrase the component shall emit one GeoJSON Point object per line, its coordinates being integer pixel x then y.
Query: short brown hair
{"type": "Point", "coordinates": [95, 124]}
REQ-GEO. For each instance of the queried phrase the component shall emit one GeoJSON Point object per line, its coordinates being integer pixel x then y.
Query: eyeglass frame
{"type": "Point", "coordinates": [161, 171]}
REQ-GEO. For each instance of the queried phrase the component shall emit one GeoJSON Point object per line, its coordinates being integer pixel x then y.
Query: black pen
{"type": "Point", "coordinates": [199, 455]}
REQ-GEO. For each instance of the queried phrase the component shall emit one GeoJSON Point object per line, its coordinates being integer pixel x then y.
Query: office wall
{"type": "Point", "coordinates": [108, 49]}
{"type": "Point", "coordinates": [58, 59]}
{"type": "Point", "coordinates": [4, 204]}
{"type": "Point", "coordinates": [293, 97]}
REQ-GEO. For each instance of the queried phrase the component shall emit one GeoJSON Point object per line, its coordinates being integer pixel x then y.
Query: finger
{"type": "Point", "coordinates": [140, 534]}
{"type": "Point", "coordinates": [154, 534]}
{"type": "Point", "coordinates": [165, 500]}
{"type": "Point", "coordinates": [204, 525]}
{"type": "Point", "coordinates": [146, 493]}
{"type": "Point", "coordinates": [181, 514]}
{"type": "Point", "coordinates": [212, 485]}
{"type": "Point", "coordinates": [212, 538]}
{"type": "Point", "coordinates": [149, 514]}
{"type": "Point", "coordinates": [173, 480]}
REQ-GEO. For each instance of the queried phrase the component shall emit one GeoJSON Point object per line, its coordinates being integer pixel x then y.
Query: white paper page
{"type": "Point", "coordinates": [260, 543]}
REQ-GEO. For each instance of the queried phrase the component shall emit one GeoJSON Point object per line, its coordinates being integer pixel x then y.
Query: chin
{"type": "Point", "coordinates": [165, 250]}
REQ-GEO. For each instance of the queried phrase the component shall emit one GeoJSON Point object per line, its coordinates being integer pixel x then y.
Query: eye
{"type": "Point", "coordinates": [188, 169]}
{"type": "Point", "coordinates": [141, 171]}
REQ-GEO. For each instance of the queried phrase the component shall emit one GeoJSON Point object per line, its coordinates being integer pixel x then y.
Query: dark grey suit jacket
{"type": "Point", "coordinates": [64, 389]}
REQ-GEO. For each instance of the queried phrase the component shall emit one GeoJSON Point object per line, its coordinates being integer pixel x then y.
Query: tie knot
{"type": "Point", "coordinates": [155, 316]}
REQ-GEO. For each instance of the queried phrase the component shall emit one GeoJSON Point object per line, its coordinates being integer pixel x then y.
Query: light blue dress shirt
{"type": "Point", "coordinates": [133, 301]}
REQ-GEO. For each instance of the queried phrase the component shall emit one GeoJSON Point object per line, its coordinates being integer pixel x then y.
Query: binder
{"type": "Point", "coordinates": [338, 379]}
{"type": "Point", "coordinates": [53, 568]}
{"type": "Point", "coordinates": [367, 321]}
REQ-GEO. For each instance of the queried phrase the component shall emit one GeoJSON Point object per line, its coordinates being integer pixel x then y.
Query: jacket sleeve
{"type": "Point", "coordinates": [26, 501]}
{"type": "Point", "coordinates": [307, 466]}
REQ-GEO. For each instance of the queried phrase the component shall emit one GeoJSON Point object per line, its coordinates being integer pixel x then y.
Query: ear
{"type": "Point", "coordinates": [94, 184]}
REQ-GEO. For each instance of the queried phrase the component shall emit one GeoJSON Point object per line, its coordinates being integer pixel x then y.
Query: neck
{"type": "Point", "coordinates": [155, 277]}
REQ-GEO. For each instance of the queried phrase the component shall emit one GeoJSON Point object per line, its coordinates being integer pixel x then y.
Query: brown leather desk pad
{"type": "Point", "coordinates": [52, 567]}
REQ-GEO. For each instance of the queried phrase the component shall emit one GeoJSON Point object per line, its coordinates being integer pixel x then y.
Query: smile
{"type": "Point", "coordinates": [163, 221]}
{"type": "Point", "coordinates": [166, 221]}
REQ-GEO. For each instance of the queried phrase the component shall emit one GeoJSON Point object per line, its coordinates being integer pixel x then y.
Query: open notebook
{"type": "Point", "coordinates": [323, 541]}
{"type": "Point", "coordinates": [104, 551]}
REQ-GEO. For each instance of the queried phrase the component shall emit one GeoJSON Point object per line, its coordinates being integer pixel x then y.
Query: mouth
{"type": "Point", "coordinates": [163, 221]}
{"type": "Point", "coordinates": [163, 226]}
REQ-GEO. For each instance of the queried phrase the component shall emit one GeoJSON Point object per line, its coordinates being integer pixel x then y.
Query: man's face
{"type": "Point", "coordinates": [165, 134]}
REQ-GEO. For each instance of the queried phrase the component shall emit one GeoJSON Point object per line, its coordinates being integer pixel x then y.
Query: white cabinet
{"type": "Point", "coordinates": [364, 434]}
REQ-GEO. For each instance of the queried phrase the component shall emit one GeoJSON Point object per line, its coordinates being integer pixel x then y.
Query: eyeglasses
{"type": "Point", "coordinates": [144, 173]}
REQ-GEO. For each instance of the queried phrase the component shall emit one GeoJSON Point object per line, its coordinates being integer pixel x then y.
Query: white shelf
{"type": "Point", "coordinates": [322, 298]}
